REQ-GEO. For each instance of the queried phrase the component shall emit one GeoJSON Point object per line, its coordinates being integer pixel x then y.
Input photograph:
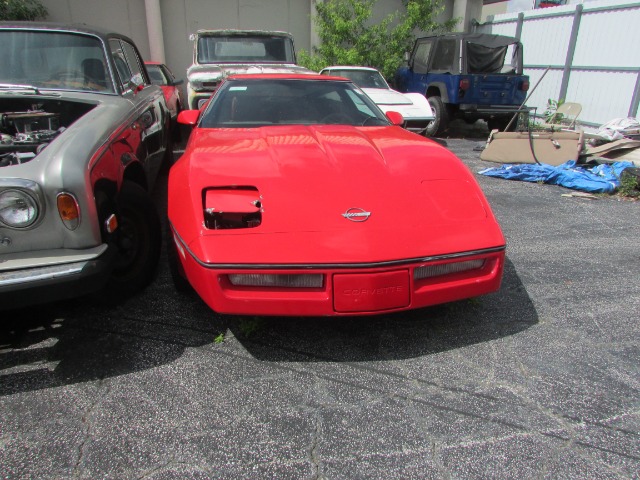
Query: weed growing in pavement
{"type": "Point", "coordinates": [249, 326]}
{"type": "Point", "coordinates": [629, 186]}
{"type": "Point", "coordinates": [219, 338]}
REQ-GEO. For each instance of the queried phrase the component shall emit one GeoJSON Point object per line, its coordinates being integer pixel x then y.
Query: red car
{"type": "Point", "coordinates": [160, 75]}
{"type": "Point", "coordinates": [297, 196]}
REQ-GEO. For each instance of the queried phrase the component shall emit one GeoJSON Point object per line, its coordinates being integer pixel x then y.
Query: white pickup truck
{"type": "Point", "coordinates": [220, 53]}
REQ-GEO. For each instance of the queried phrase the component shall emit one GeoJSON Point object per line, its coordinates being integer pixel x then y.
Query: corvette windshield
{"type": "Point", "coordinates": [245, 103]}
{"type": "Point", "coordinates": [53, 60]}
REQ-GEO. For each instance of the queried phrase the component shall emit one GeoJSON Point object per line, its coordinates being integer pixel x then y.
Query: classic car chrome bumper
{"type": "Point", "coordinates": [52, 275]}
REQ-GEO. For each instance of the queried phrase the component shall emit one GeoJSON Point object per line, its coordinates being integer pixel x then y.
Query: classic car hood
{"type": "Point", "coordinates": [218, 72]}
{"type": "Point", "coordinates": [421, 199]}
{"type": "Point", "coordinates": [386, 97]}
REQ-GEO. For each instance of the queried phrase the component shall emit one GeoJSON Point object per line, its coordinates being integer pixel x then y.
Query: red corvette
{"type": "Point", "coordinates": [296, 195]}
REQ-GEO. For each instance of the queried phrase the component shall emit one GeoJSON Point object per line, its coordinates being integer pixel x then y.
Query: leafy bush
{"type": "Point", "coordinates": [22, 10]}
{"type": "Point", "coordinates": [551, 109]}
{"type": "Point", "coordinates": [347, 37]}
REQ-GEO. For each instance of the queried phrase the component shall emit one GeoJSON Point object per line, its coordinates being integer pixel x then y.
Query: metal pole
{"type": "Point", "coordinates": [526, 99]}
{"type": "Point", "coordinates": [154, 29]}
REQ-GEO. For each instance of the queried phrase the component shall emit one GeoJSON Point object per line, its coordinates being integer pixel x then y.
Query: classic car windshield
{"type": "Point", "coordinates": [260, 102]}
{"type": "Point", "coordinates": [53, 60]}
{"type": "Point", "coordinates": [241, 49]}
{"type": "Point", "coordinates": [362, 78]}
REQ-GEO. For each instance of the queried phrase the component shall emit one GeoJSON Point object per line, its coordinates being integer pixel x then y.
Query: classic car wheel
{"type": "Point", "coordinates": [441, 122]}
{"type": "Point", "coordinates": [138, 240]}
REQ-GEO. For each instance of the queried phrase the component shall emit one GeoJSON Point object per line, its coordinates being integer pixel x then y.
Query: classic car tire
{"type": "Point", "coordinates": [138, 240]}
{"type": "Point", "coordinates": [441, 122]}
{"type": "Point", "coordinates": [180, 283]}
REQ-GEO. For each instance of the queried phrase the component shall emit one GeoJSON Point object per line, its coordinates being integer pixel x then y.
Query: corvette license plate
{"type": "Point", "coordinates": [368, 292]}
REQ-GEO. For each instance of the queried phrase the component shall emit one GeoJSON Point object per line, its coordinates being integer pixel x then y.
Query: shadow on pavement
{"type": "Point", "coordinates": [80, 341]}
{"type": "Point", "coordinates": [390, 337]}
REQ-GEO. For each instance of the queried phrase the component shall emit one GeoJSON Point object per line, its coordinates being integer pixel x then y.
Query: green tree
{"type": "Point", "coordinates": [22, 10]}
{"type": "Point", "coordinates": [348, 37]}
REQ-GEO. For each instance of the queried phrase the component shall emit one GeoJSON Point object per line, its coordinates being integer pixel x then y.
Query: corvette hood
{"type": "Point", "coordinates": [412, 197]}
{"type": "Point", "coordinates": [386, 97]}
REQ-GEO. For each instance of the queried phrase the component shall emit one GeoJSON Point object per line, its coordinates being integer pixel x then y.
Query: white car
{"type": "Point", "coordinates": [414, 107]}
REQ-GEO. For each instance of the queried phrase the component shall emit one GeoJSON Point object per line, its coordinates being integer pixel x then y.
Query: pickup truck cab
{"type": "Point", "coordinates": [220, 53]}
{"type": "Point", "coordinates": [466, 75]}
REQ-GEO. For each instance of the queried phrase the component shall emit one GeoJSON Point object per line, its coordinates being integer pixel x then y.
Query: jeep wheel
{"type": "Point", "coordinates": [138, 240]}
{"type": "Point", "coordinates": [441, 123]}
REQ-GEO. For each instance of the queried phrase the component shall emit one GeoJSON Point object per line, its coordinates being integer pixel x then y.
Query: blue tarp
{"type": "Point", "coordinates": [600, 179]}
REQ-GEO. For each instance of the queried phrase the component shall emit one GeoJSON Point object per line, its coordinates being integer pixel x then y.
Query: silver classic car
{"type": "Point", "coordinates": [83, 134]}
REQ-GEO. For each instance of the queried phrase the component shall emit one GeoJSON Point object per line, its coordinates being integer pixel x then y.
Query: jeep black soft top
{"type": "Point", "coordinates": [466, 75]}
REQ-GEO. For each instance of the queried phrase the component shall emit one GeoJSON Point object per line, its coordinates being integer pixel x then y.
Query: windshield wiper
{"type": "Point", "coordinates": [13, 86]}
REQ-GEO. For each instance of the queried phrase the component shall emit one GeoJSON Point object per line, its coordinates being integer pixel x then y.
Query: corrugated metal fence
{"type": "Point", "coordinates": [592, 51]}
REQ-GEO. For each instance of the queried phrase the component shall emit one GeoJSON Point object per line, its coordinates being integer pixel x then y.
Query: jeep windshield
{"type": "Point", "coordinates": [53, 61]}
{"type": "Point", "coordinates": [245, 49]}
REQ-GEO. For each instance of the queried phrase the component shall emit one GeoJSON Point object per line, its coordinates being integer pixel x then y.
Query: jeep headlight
{"type": "Point", "coordinates": [18, 209]}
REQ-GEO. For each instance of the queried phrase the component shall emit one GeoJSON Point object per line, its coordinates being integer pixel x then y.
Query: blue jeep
{"type": "Point", "coordinates": [464, 75]}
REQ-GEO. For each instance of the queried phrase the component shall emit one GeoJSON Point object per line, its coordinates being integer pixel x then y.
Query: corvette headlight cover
{"type": "Point", "coordinates": [232, 207]}
{"type": "Point", "coordinates": [18, 209]}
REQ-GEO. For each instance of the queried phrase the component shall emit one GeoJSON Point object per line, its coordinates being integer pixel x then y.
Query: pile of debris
{"type": "Point", "coordinates": [598, 162]}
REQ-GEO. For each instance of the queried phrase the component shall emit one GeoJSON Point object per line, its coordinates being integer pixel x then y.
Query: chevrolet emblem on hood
{"type": "Point", "coordinates": [356, 215]}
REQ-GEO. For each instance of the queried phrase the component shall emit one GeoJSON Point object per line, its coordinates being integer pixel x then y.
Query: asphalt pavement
{"type": "Point", "coordinates": [539, 380]}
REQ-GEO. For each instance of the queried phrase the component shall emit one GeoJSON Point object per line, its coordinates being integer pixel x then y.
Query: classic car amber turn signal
{"type": "Point", "coordinates": [69, 210]}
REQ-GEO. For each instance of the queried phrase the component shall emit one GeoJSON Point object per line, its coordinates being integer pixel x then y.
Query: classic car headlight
{"type": "Point", "coordinates": [18, 209]}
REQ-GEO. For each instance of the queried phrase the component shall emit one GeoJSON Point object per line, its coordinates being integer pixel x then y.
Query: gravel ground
{"type": "Point", "coordinates": [539, 380]}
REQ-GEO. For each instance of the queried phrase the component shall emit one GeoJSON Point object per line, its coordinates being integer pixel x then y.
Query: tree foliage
{"type": "Point", "coordinates": [348, 37]}
{"type": "Point", "coordinates": [22, 10]}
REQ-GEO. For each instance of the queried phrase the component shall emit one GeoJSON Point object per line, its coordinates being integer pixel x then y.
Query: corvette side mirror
{"type": "Point", "coordinates": [188, 117]}
{"type": "Point", "coordinates": [395, 117]}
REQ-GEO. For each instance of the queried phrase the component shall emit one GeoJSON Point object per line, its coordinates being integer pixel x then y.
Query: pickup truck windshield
{"type": "Point", "coordinates": [53, 60]}
{"type": "Point", "coordinates": [245, 49]}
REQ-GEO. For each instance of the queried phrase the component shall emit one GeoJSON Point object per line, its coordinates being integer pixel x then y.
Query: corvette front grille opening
{"type": "Point", "coordinates": [277, 280]}
{"type": "Point", "coordinates": [429, 271]}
